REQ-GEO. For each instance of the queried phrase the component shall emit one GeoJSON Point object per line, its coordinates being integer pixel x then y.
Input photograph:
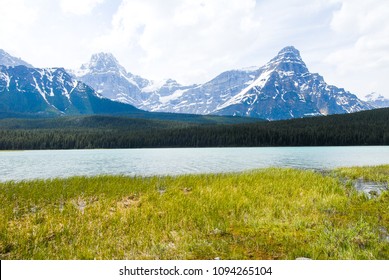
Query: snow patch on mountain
{"type": "Point", "coordinates": [175, 95]}
{"type": "Point", "coordinates": [241, 96]}
{"type": "Point", "coordinates": [286, 89]}
{"type": "Point", "coordinates": [283, 88]}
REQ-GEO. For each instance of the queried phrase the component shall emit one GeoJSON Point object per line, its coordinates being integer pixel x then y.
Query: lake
{"type": "Point", "coordinates": [23, 165]}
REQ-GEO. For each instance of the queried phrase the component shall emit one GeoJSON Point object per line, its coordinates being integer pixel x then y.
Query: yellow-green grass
{"type": "Point", "coordinates": [264, 214]}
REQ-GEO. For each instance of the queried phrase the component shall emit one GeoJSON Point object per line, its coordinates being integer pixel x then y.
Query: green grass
{"type": "Point", "coordinates": [264, 214]}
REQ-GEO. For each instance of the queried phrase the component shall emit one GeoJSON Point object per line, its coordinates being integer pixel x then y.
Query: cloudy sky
{"type": "Point", "coordinates": [346, 41]}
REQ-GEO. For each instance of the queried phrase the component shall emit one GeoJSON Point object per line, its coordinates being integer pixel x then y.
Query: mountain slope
{"type": "Point", "coordinates": [205, 98]}
{"type": "Point", "coordinates": [110, 79]}
{"type": "Point", "coordinates": [282, 89]}
{"type": "Point", "coordinates": [8, 60]}
{"type": "Point", "coordinates": [33, 93]}
{"type": "Point", "coordinates": [104, 73]}
{"type": "Point", "coordinates": [51, 92]}
{"type": "Point", "coordinates": [286, 89]}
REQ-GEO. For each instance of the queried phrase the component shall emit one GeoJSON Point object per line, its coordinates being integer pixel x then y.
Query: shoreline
{"type": "Point", "coordinates": [199, 147]}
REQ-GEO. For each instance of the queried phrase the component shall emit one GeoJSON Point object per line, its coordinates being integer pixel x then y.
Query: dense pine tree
{"type": "Point", "coordinates": [363, 128]}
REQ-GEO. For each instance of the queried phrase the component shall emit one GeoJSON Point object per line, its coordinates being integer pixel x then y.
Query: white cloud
{"type": "Point", "coordinates": [17, 19]}
{"type": "Point", "coordinates": [181, 38]}
{"type": "Point", "coordinates": [40, 33]}
{"type": "Point", "coordinates": [79, 7]}
{"type": "Point", "coordinates": [194, 40]}
{"type": "Point", "coordinates": [363, 57]}
{"type": "Point", "coordinates": [15, 15]}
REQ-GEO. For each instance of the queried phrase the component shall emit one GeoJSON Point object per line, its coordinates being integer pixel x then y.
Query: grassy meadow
{"type": "Point", "coordinates": [263, 214]}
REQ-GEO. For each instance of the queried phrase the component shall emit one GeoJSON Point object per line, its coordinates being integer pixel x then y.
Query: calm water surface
{"type": "Point", "coordinates": [21, 165]}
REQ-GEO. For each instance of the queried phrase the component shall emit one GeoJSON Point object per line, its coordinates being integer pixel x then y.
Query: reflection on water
{"type": "Point", "coordinates": [145, 162]}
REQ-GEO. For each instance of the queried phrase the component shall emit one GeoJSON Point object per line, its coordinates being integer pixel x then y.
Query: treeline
{"type": "Point", "coordinates": [363, 128]}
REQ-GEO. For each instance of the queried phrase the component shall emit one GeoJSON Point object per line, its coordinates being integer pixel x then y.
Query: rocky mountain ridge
{"type": "Point", "coordinates": [49, 92]}
{"type": "Point", "coordinates": [281, 89]}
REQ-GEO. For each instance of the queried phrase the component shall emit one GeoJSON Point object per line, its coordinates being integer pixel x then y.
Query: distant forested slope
{"type": "Point", "coordinates": [362, 128]}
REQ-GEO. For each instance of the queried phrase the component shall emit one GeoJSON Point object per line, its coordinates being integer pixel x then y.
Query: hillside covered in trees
{"type": "Point", "coordinates": [86, 132]}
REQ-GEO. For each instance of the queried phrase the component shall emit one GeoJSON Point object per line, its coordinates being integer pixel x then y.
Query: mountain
{"type": "Point", "coordinates": [377, 100]}
{"type": "Point", "coordinates": [104, 73]}
{"type": "Point", "coordinates": [8, 60]}
{"type": "Point", "coordinates": [51, 92]}
{"type": "Point", "coordinates": [206, 98]}
{"type": "Point", "coordinates": [110, 79]}
{"type": "Point", "coordinates": [282, 89]}
{"type": "Point", "coordinates": [33, 93]}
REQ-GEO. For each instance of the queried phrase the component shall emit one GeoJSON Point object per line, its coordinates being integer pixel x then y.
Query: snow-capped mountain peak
{"type": "Point", "coordinates": [110, 79]}
{"type": "Point", "coordinates": [287, 62]}
{"type": "Point", "coordinates": [286, 89]}
{"type": "Point", "coordinates": [283, 88]}
{"type": "Point", "coordinates": [50, 92]}
{"type": "Point", "coordinates": [101, 63]}
{"type": "Point", "coordinates": [289, 51]}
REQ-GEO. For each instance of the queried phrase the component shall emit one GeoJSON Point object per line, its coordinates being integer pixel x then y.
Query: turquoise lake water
{"type": "Point", "coordinates": [25, 165]}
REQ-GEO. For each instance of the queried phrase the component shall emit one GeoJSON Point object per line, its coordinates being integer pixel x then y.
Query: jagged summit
{"type": "Point", "coordinates": [107, 58]}
{"type": "Point", "coordinates": [103, 62]}
{"type": "Point", "coordinates": [104, 73]}
{"type": "Point", "coordinates": [287, 62]}
{"type": "Point", "coordinates": [288, 55]}
{"type": "Point", "coordinates": [289, 51]}
{"type": "Point", "coordinates": [281, 89]}
{"type": "Point", "coordinates": [286, 89]}
{"type": "Point", "coordinates": [51, 92]}
{"type": "Point", "coordinates": [8, 60]}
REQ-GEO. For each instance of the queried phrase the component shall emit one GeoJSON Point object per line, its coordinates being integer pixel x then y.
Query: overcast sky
{"type": "Point", "coordinates": [192, 41]}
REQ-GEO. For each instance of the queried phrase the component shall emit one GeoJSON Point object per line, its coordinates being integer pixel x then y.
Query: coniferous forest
{"type": "Point", "coordinates": [87, 132]}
